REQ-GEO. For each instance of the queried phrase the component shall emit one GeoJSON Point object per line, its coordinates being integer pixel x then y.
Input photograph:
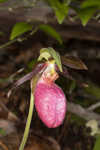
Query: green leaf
{"type": "Point", "coordinates": [61, 9]}
{"type": "Point", "coordinates": [61, 13]}
{"type": "Point", "coordinates": [51, 31]}
{"type": "Point", "coordinates": [91, 3]}
{"type": "Point", "coordinates": [19, 29]}
{"type": "Point", "coordinates": [86, 13]}
{"type": "Point", "coordinates": [97, 144]}
{"type": "Point", "coordinates": [87, 10]}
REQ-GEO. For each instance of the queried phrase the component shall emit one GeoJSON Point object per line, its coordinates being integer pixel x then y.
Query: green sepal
{"type": "Point", "coordinates": [47, 53]}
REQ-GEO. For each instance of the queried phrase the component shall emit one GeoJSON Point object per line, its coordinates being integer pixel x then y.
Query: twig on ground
{"type": "Point", "coordinates": [2, 145]}
{"type": "Point", "coordinates": [10, 115]}
{"type": "Point", "coordinates": [83, 112]}
{"type": "Point", "coordinates": [94, 106]}
{"type": "Point", "coordinates": [8, 126]}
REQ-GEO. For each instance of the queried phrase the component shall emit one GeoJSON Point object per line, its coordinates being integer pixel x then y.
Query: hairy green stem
{"type": "Point", "coordinates": [29, 118]}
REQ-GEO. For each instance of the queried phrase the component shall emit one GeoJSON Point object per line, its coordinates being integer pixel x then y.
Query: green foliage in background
{"type": "Point", "coordinates": [1, 1]}
{"type": "Point", "coordinates": [93, 90]}
{"type": "Point", "coordinates": [60, 9]}
{"type": "Point", "coordinates": [2, 132]}
{"type": "Point", "coordinates": [97, 144]}
{"type": "Point", "coordinates": [84, 9]}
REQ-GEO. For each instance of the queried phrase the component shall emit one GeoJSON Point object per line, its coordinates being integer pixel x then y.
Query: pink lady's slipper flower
{"type": "Point", "coordinates": [50, 101]}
